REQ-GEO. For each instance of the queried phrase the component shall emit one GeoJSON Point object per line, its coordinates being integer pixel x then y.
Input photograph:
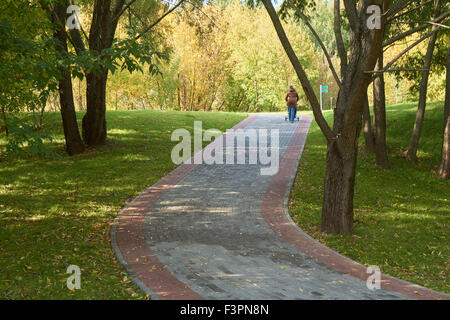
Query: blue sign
{"type": "Point", "coordinates": [323, 88]}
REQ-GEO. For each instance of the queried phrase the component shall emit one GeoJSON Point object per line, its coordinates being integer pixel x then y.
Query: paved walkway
{"type": "Point", "coordinates": [223, 232]}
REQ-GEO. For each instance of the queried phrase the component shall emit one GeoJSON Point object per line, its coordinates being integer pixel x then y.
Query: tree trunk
{"type": "Point", "coordinates": [367, 128]}
{"type": "Point", "coordinates": [256, 95]}
{"type": "Point", "coordinates": [5, 125]}
{"type": "Point", "coordinates": [379, 116]}
{"type": "Point", "coordinates": [337, 209]}
{"type": "Point", "coordinates": [80, 98]}
{"type": "Point", "coordinates": [94, 121]}
{"type": "Point", "coordinates": [411, 154]}
{"type": "Point", "coordinates": [101, 36]}
{"type": "Point", "coordinates": [444, 168]}
{"type": "Point", "coordinates": [342, 141]}
{"type": "Point", "coordinates": [41, 115]}
{"type": "Point", "coordinates": [74, 144]}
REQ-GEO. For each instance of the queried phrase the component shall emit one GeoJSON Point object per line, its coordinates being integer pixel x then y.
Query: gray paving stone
{"type": "Point", "coordinates": [210, 234]}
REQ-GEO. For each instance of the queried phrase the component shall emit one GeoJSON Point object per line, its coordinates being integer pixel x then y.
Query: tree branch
{"type": "Point", "coordinates": [352, 15]}
{"type": "Point", "coordinates": [305, 20]}
{"type": "Point", "coordinates": [397, 7]}
{"type": "Point", "coordinates": [306, 85]}
{"type": "Point", "coordinates": [338, 35]}
{"type": "Point", "coordinates": [209, 18]}
{"type": "Point", "coordinates": [159, 20]}
{"type": "Point", "coordinates": [117, 14]}
{"type": "Point", "coordinates": [426, 22]}
{"type": "Point", "coordinates": [407, 12]}
{"type": "Point", "coordinates": [397, 70]}
{"type": "Point", "coordinates": [416, 29]}
{"type": "Point", "coordinates": [403, 52]}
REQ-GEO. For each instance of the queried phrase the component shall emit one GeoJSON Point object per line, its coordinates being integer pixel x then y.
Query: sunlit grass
{"type": "Point", "coordinates": [54, 213]}
{"type": "Point", "coordinates": [401, 215]}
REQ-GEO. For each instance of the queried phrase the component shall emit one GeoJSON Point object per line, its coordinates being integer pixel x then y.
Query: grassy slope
{"type": "Point", "coordinates": [401, 215]}
{"type": "Point", "coordinates": [54, 213]}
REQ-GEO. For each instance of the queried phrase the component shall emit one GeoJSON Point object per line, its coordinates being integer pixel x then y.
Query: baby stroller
{"type": "Point", "coordinates": [295, 116]}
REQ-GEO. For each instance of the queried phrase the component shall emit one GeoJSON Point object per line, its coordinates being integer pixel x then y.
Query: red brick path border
{"type": "Point", "coordinates": [129, 237]}
{"type": "Point", "coordinates": [274, 211]}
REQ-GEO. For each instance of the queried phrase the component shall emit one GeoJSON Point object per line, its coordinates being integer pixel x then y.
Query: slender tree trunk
{"type": "Point", "coordinates": [367, 128]}
{"type": "Point", "coordinates": [41, 116]}
{"type": "Point", "coordinates": [411, 154]}
{"type": "Point", "coordinates": [379, 116]}
{"type": "Point", "coordinates": [444, 168]}
{"type": "Point", "coordinates": [5, 125]}
{"type": "Point", "coordinates": [80, 98]}
{"type": "Point", "coordinates": [116, 100]}
{"type": "Point", "coordinates": [179, 92]}
{"type": "Point", "coordinates": [74, 144]}
{"type": "Point", "coordinates": [256, 94]}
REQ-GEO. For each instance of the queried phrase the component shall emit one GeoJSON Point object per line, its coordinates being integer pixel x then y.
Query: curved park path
{"type": "Point", "coordinates": [222, 231]}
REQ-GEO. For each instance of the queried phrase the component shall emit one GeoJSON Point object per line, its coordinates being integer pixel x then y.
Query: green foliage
{"type": "Point", "coordinates": [22, 135]}
{"type": "Point", "coordinates": [415, 61]}
{"type": "Point", "coordinates": [28, 73]}
{"type": "Point", "coordinates": [28, 69]}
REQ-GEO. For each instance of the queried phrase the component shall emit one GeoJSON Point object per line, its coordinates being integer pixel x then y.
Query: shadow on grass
{"type": "Point", "coordinates": [54, 213]}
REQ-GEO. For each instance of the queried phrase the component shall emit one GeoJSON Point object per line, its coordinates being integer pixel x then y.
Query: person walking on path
{"type": "Point", "coordinates": [291, 101]}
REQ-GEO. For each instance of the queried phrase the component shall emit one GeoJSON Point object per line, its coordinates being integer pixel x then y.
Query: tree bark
{"type": "Point", "coordinates": [367, 127]}
{"type": "Point", "coordinates": [337, 207]}
{"type": "Point", "coordinates": [444, 168]}
{"type": "Point", "coordinates": [74, 144]}
{"type": "Point", "coordinates": [411, 154]}
{"type": "Point", "coordinates": [379, 116]}
{"type": "Point", "coordinates": [5, 125]}
{"type": "Point", "coordinates": [94, 121]}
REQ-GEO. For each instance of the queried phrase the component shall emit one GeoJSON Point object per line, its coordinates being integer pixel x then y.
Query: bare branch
{"type": "Point", "coordinates": [416, 29]}
{"type": "Point", "coordinates": [159, 20]}
{"type": "Point", "coordinates": [118, 14]}
{"type": "Point", "coordinates": [209, 18]}
{"type": "Point", "coordinates": [403, 52]}
{"type": "Point", "coordinates": [407, 12]}
{"type": "Point", "coordinates": [305, 20]}
{"type": "Point", "coordinates": [396, 70]}
{"type": "Point", "coordinates": [397, 7]}
{"type": "Point", "coordinates": [426, 22]}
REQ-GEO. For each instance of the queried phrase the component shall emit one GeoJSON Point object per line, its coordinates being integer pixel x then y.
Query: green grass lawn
{"type": "Point", "coordinates": [401, 215]}
{"type": "Point", "coordinates": [54, 213]}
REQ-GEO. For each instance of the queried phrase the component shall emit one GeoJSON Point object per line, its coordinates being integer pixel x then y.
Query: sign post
{"type": "Point", "coordinates": [322, 89]}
